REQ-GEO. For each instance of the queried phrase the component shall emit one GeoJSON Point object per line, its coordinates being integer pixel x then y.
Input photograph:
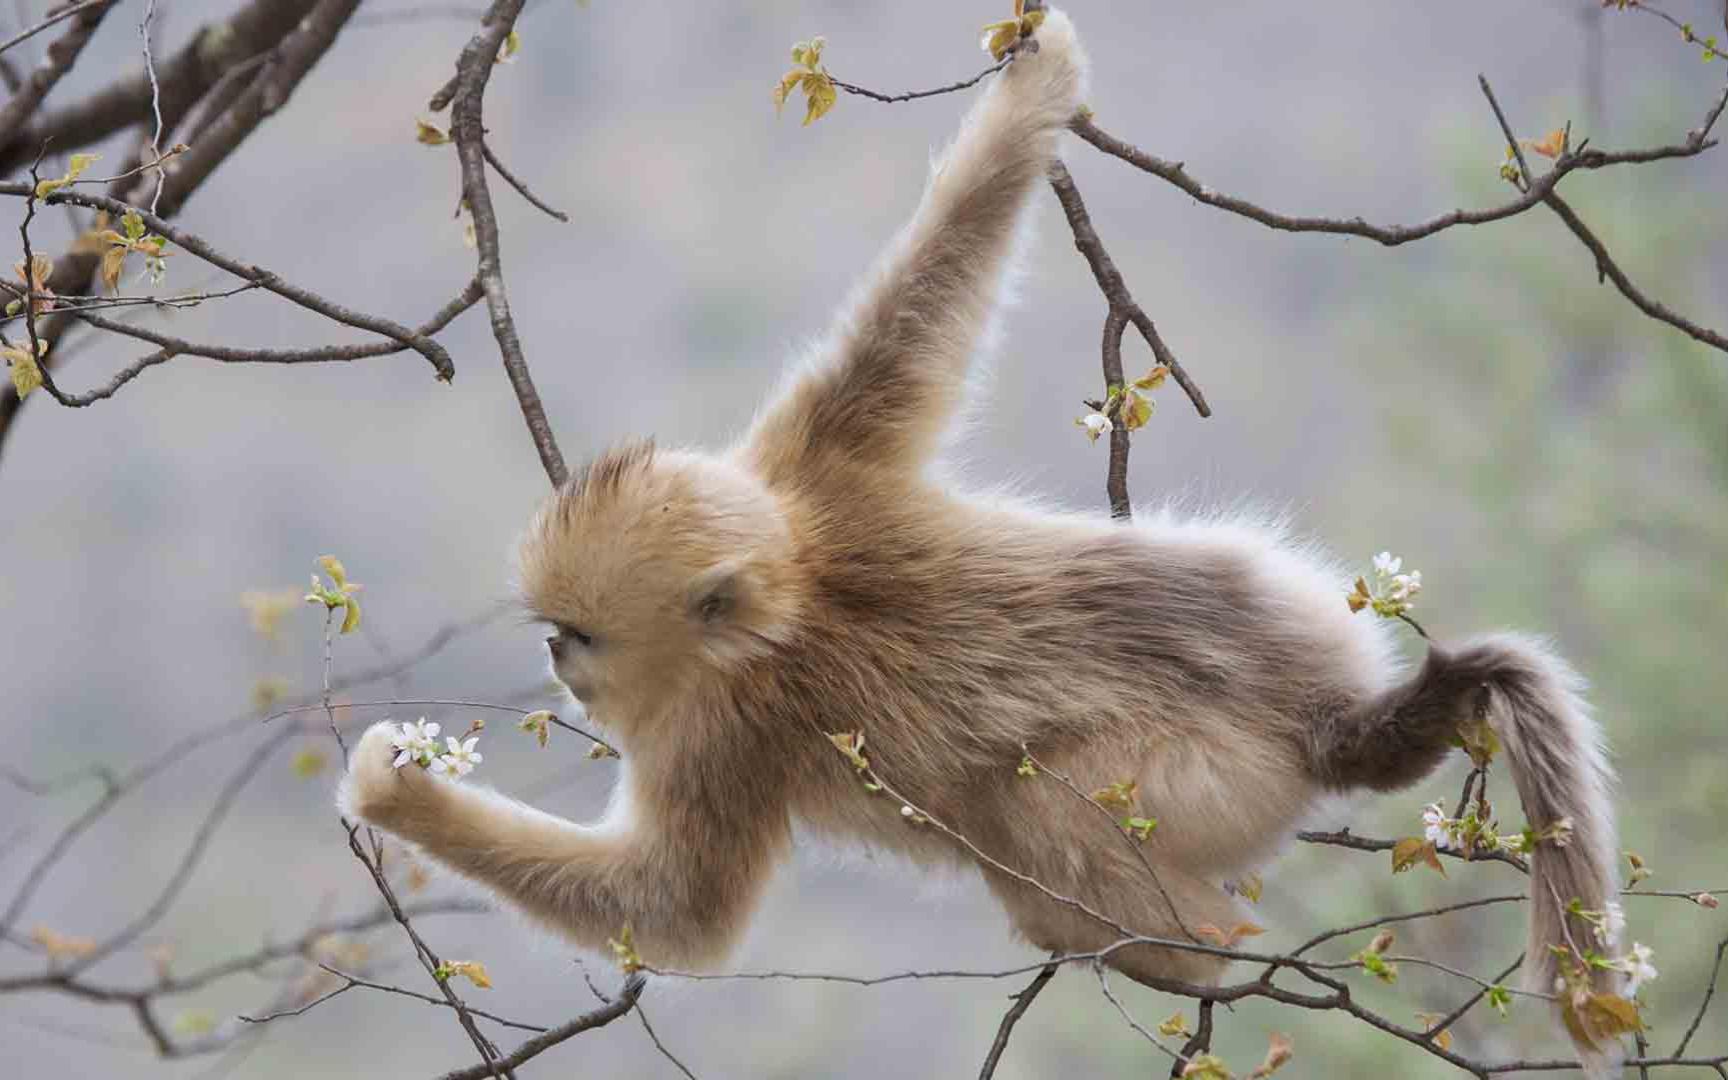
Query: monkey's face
{"type": "Point", "coordinates": [651, 568]}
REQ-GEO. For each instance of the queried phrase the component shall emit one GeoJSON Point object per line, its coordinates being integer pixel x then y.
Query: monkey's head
{"type": "Point", "coordinates": [654, 567]}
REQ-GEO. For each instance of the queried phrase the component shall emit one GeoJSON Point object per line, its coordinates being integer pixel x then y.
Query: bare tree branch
{"type": "Point", "coordinates": [1175, 173]}
{"type": "Point", "coordinates": [86, 17]}
{"type": "Point", "coordinates": [621, 1003]}
{"type": "Point", "coordinates": [184, 79]}
{"type": "Point", "coordinates": [467, 128]}
{"type": "Point", "coordinates": [170, 347]}
{"type": "Point", "coordinates": [258, 275]}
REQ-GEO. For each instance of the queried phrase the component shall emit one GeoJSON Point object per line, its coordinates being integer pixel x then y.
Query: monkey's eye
{"type": "Point", "coordinates": [569, 633]}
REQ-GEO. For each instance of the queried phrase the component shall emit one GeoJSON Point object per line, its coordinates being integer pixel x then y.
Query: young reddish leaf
{"type": "Point", "coordinates": [1135, 411]}
{"type": "Point", "coordinates": [1206, 1067]}
{"type": "Point", "coordinates": [1228, 938]}
{"type": "Point", "coordinates": [1279, 1051]}
{"type": "Point", "coordinates": [1119, 795]}
{"type": "Point", "coordinates": [1551, 144]}
{"type": "Point", "coordinates": [1441, 1038]}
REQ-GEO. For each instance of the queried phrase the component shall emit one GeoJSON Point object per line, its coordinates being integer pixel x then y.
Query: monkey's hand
{"type": "Point", "coordinates": [893, 374]}
{"type": "Point", "coordinates": [1048, 75]}
{"type": "Point", "coordinates": [377, 792]}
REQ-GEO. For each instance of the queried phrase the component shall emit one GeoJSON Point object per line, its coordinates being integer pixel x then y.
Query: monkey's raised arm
{"type": "Point", "coordinates": [893, 369]}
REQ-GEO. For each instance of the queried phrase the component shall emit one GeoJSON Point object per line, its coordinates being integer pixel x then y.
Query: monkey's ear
{"type": "Point", "coordinates": [717, 592]}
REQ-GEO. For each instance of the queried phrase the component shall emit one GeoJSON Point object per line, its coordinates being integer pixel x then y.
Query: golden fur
{"type": "Point", "coordinates": [720, 613]}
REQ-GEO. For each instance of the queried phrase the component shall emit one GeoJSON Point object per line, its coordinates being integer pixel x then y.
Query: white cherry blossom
{"type": "Point", "coordinates": [459, 760]}
{"type": "Point", "coordinates": [416, 742]}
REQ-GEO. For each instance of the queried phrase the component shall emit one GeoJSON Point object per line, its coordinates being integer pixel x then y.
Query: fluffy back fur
{"type": "Point", "coordinates": [722, 613]}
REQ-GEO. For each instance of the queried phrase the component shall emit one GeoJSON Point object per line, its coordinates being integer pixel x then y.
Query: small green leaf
{"type": "Point", "coordinates": [75, 169]}
{"type": "Point", "coordinates": [851, 747]}
{"type": "Point", "coordinates": [1500, 999]}
{"type": "Point", "coordinates": [1173, 1025]}
{"type": "Point", "coordinates": [425, 131]}
{"type": "Point", "coordinates": [624, 951]}
{"type": "Point", "coordinates": [1139, 826]}
{"type": "Point", "coordinates": [819, 96]}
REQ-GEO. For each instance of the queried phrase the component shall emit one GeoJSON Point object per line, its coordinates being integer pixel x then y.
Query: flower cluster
{"type": "Point", "coordinates": [418, 743]}
{"type": "Point", "coordinates": [1096, 425]}
{"type": "Point", "coordinates": [1475, 832]}
{"type": "Point", "coordinates": [1126, 405]}
{"type": "Point", "coordinates": [1612, 923]}
{"type": "Point", "coordinates": [1393, 592]}
{"type": "Point", "coordinates": [1636, 966]}
{"type": "Point", "coordinates": [1609, 925]}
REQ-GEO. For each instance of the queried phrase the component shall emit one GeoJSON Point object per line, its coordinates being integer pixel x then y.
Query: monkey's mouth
{"type": "Point", "coordinates": [580, 689]}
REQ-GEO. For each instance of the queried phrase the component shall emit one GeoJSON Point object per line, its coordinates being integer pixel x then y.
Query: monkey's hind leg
{"type": "Point", "coordinates": [1133, 900]}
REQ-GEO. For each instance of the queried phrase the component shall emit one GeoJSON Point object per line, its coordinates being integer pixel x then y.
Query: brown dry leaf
{"type": "Point", "coordinates": [1412, 850]}
{"type": "Point", "coordinates": [113, 262]}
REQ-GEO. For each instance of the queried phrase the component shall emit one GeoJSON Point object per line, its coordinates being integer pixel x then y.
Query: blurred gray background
{"type": "Point", "coordinates": [1549, 458]}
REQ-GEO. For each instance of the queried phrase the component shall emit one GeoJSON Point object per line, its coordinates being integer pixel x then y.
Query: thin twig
{"type": "Point", "coordinates": [521, 188]}
{"type": "Point", "coordinates": [1110, 821]}
{"type": "Point", "coordinates": [1469, 1003]}
{"type": "Point", "coordinates": [642, 1015]}
{"type": "Point", "coordinates": [452, 703]}
{"type": "Point", "coordinates": [1104, 985]}
{"type": "Point", "coordinates": [351, 982]}
{"type": "Point", "coordinates": [914, 95]}
{"type": "Point", "coordinates": [155, 105]}
{"type": "Point", "coordinates": [62, 54]}
{"type": "Point", "coordinates": [59, 16]}
{"type": "Point", "coordinates": [1022, 1001]}
{"type": "Point", "coordinates": [171, 347]}
{"type": "Point", "coordinates": [1704, 1004]}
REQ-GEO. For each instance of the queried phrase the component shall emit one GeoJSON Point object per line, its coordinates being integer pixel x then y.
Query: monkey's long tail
{"type": "Point", "coordinates": [1554, 750]}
